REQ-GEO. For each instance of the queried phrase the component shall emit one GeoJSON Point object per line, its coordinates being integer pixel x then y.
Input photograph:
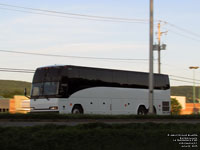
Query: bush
{"type": "Point", "coordinates": [175, 107]}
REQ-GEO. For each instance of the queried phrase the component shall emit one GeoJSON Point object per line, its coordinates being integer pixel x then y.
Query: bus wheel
{"type": "Point", "coordinates": [77, 109]}
{"type": "Point", "coordinates": [154, 110]}
{"type": "Point", "coordinates": [142, 110]}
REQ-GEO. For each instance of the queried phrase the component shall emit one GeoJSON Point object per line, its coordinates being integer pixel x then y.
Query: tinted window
{"type": "Point", "coordinates": [73, 72]}
{"type": "Point", "coordinates": [39, 75]}
{"type": "Point", "coordinates": [83, 73]}
{"type": "Point", "coordinates": [37, 89]}
{"type": "Point", "coordinates": [104, 75]}
{"type": "Point", "coordinates": [44, 89]}
{"type": "Point", "coordinates": [51, 88]}
{"type": "Point", "coordinates": [53, 74]}
{"type": "Point", "coordinates": [140, 79]}
{"type": "Point", "coordinates": [88, 74]}
{"type": "Point", "coordinates": [167, 82]}
{"type": "Point", "coordinates": [120, 77]}
{"type": "Point", "coordinates": [161, 81]}
{"type": "Point", "coordinates": [91, 74]}
{"type": "Point", "coordinates": [47, 74]}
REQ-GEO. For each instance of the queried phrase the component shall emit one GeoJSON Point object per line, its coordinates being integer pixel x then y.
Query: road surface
{"type": "Point", "coordinates": [74, 122]}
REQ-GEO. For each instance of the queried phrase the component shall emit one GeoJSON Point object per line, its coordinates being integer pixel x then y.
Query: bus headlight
{"type": "Point", "coordinates": [53, 107]}
{"type": "Point", "coordinates": [32, 108]}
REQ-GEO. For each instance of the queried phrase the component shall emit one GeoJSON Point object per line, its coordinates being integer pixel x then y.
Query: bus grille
{"type": "Point", "coordinates": [165, 106]}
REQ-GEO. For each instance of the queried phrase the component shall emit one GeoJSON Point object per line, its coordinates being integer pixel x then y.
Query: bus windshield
{"type": "Point", "coordinates": [45, 89]}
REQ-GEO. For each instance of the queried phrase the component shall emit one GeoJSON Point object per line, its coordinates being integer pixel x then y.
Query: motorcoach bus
{"type": "Point", "coordinates": [86, 90]}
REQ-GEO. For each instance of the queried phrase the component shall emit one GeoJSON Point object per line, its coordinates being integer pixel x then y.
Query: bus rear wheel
{"type": "Point", "coordinates": [142, 110]}
{"type": "Point", "coordinates": [77, 109]}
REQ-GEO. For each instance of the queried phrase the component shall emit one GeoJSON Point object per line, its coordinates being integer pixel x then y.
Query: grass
{"type": "Point", "coordinates": [9, 88]}
{"type": "Point", "coordinates": [95, 136]}
{"type": "Point", "coordinates": [71, 116]}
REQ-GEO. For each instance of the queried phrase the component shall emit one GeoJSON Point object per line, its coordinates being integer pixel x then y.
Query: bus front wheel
{"type": "Point", "coordinates": [142, 110]}
{"type": "Point", "coordinates": [77, 109]}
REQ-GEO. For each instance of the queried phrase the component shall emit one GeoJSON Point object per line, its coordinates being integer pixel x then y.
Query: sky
{"type": "Point", "coordinates": [34, 32]}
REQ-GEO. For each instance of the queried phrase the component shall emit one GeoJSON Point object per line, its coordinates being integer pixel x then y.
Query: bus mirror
{"type": "Point", "coordinates": [25, 92]}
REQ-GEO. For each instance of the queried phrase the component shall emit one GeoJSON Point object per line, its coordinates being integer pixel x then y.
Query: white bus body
{"type": "Point", "coordinates": [95, 96]}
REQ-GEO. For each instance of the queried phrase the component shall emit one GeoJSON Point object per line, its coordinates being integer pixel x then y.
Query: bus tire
{"type": "Point", "coordinates": [77, 109]}
{"type": "Point", "coordinates": [142, 110]}
{"type": "Point", "coordinates": [154, 110]}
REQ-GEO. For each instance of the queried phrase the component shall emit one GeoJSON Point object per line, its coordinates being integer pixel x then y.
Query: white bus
{"type": "Point", "coordinates": [85, 90]}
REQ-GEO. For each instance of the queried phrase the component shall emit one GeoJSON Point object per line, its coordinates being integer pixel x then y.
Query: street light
{"type": "Point", "coordinates": [194, 90]}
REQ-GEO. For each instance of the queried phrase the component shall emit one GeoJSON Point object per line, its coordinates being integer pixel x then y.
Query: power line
{"type": "Point", "coordinates": [178, 68]}
{"type": "Point", "coordinates": [183, 35]}
{"type": "Point", "coordinates": [94, 17]}
{"type": "Point", "coordinates": [16, 70]}
{"type": "Point", "coordinates": [184, 30]}
{"type": "Point", "coordinates": [73, 15]}
{"type": "Point", "coordinates": [183, 78]}
{"type": "Point", "coordinates": [76, 57]}
{"type": "Point", "coordinates": [91, 19]}
{"type": "Point", "coordinates": [184, 81]}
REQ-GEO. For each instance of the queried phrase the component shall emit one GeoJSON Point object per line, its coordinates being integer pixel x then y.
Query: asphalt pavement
{"type": "Point", "coordinates": [74, 122]}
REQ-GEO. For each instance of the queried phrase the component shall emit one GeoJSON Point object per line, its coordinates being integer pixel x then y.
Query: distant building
{"type": "Point", "coordinates": [181, 100]}
{"type": "Point", "coordinates": [19, 104]}
{"type": "Point", "coordinates": [191, 108]}
{"type": "Point", "coordinates": [4, 105]}
{"type": "Point", "coordinates": [187, 108]}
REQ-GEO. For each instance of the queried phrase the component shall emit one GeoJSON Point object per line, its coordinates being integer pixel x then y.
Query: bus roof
{"type": "Point", "coordinates": [73, 66]}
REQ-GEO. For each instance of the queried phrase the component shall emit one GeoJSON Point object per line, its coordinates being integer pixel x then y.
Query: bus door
{"type": "Point", "coordinates": [105, 106]}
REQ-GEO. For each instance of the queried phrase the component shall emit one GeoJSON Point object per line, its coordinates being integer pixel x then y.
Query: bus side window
{"type": "Point", "coordinates": [72, 73]}
{"type": "Point", "coordinates": [120, 78]}
{"type": "Point", "coordinates": [159, 82]}
{"type": "Point", "coordinates": [63, 89]}
{"type": "Point", "coordinates": [36, 91]}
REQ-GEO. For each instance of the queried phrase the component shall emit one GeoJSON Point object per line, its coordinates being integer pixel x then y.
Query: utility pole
{"type": "Point", "coordinates": [194, 90]}
{"type": "Point", "coordinates": [159, 47]}
{"type": "Point", "coordinates": [151, 79]}
{"type": "Point", "coordinates": [159, 34]}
